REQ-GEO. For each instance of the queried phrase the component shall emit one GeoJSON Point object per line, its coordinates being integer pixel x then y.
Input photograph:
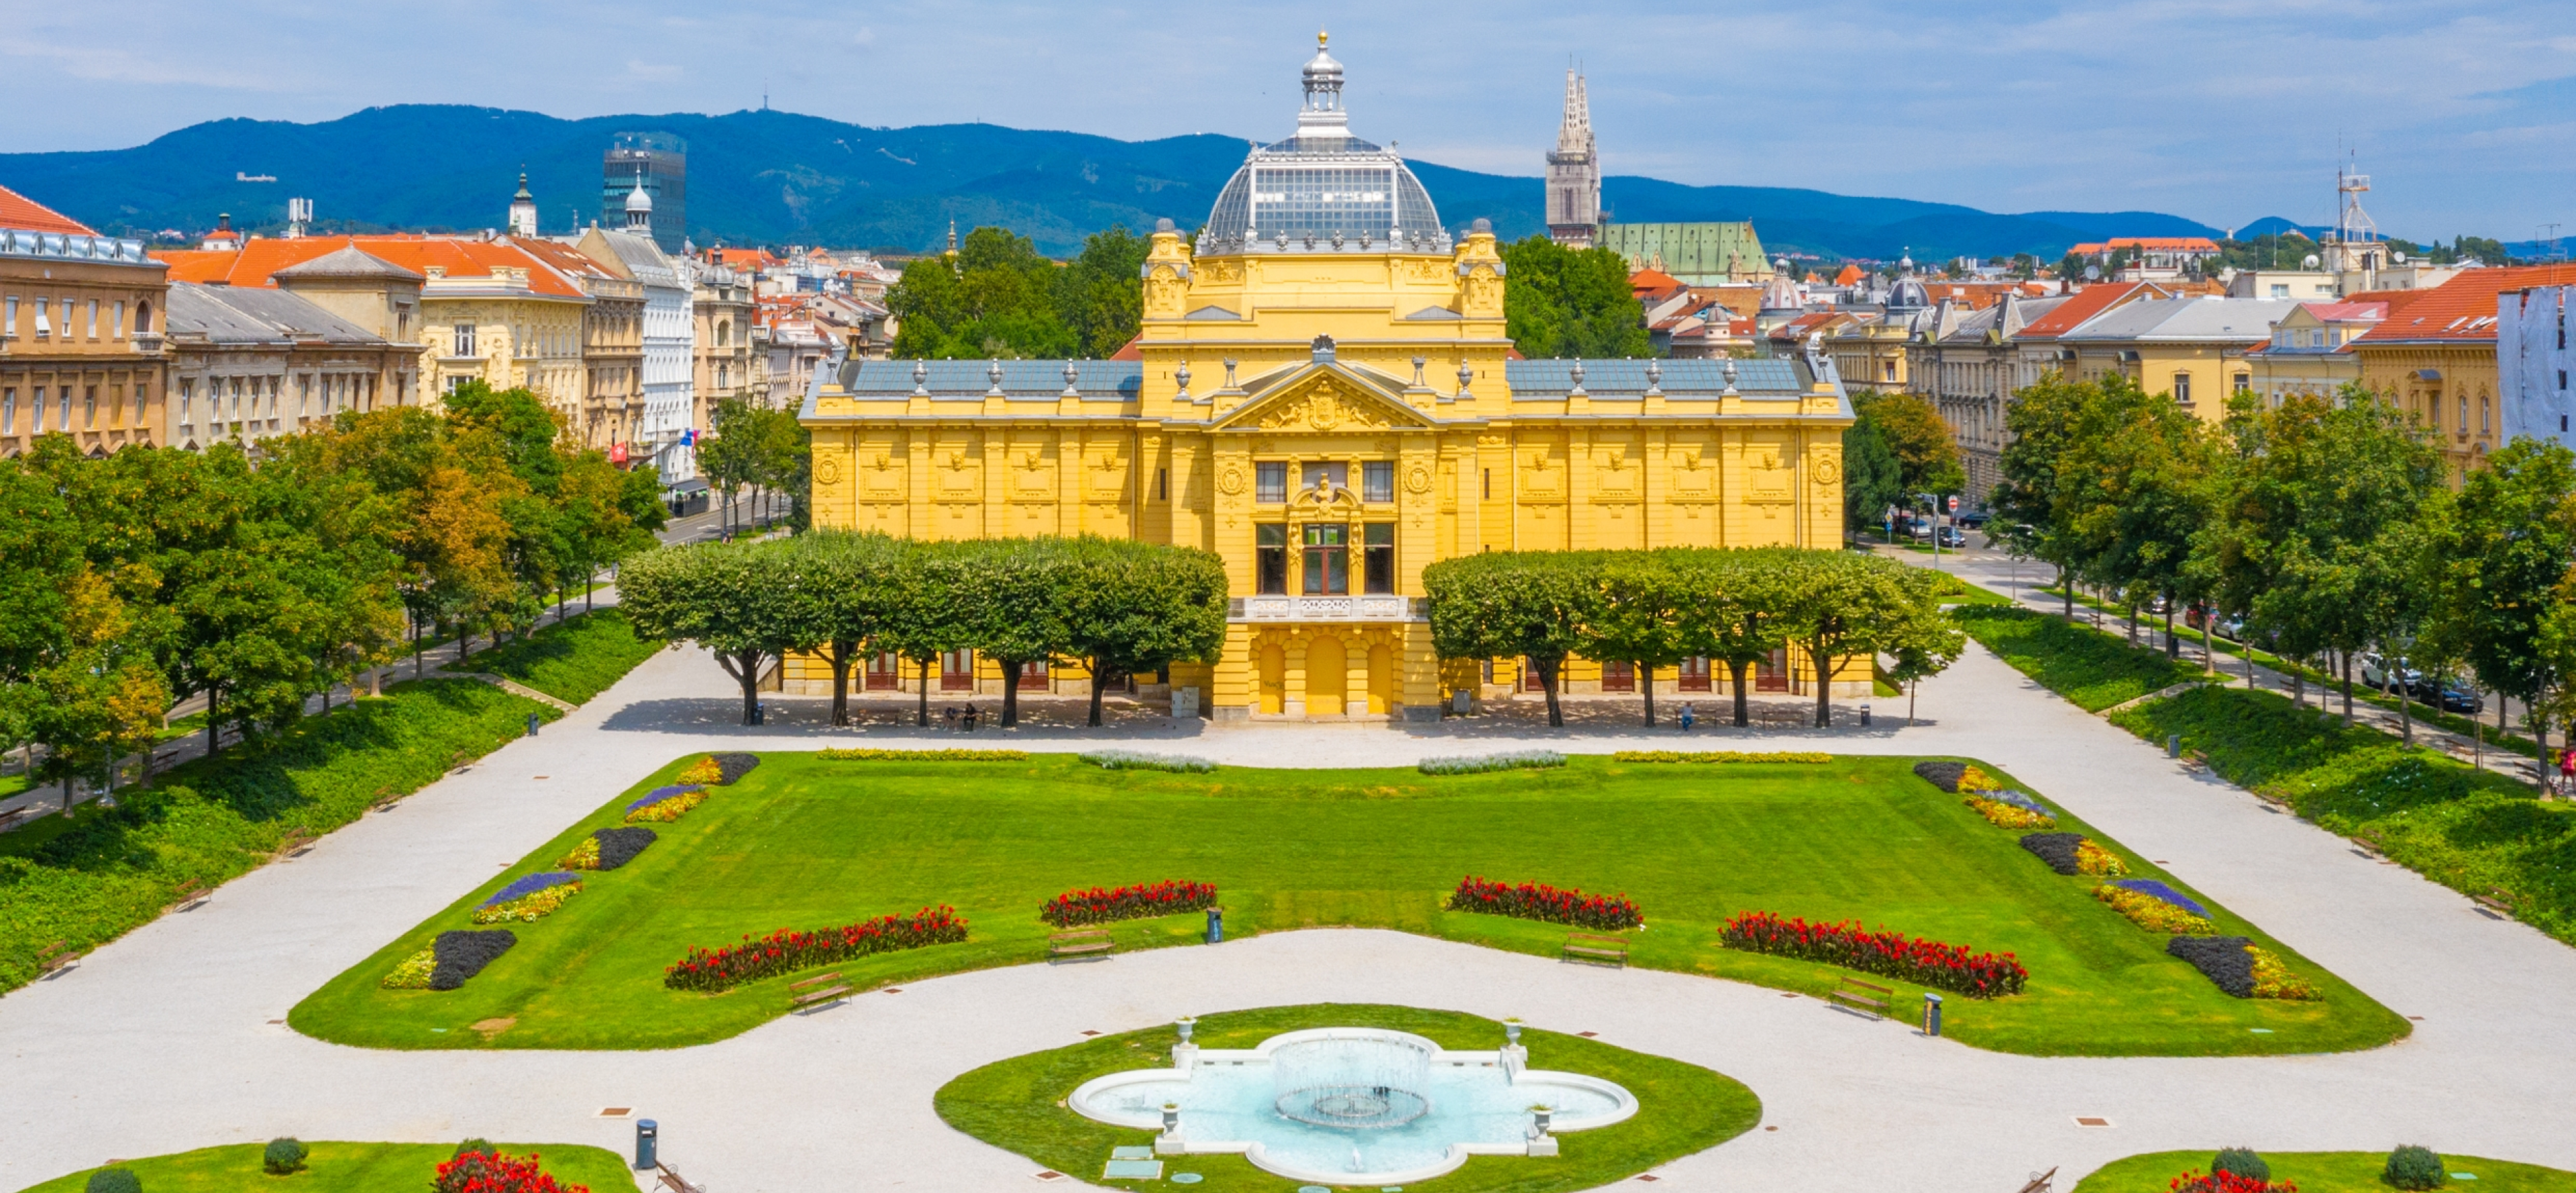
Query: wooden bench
{"type": "Point", "coordinates": [10, 818]}
{"type": "Point", "coordinates": [2041, 1182]}
{"type": "Point", "coordinates": [2369, 845]}
{"type": "Point", "coordinates": [1081, 942]}
{"type": "Point", "coordinates": [827, 988]}
{"type": "Point", "coordinates": [670, 1178]}
{"type": "Point", "coordinates": [1869, 998]}
{"type": "Point", "coordinates": [2198, 758]}
{"type": "Point", "coordinates": [57, 955]}
{"type": "Point", "coordinates": [191, 895]}
{"type": "Point", "coordinates": [295, 845]}
{"type": "Point", "coordinates": [2497, 901]}
{"type": "Point", "coordinates": [1595, 949]}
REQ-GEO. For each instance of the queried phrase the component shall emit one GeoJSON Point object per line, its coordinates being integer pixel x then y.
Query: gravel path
{"type": "Point", "coordinates": [168, 1039]}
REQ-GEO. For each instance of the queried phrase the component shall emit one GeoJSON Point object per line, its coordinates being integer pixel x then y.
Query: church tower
{"type": "Point", "coordinates": [523, 209]}
{"type": "Point", "coordinates": [1574, 173]}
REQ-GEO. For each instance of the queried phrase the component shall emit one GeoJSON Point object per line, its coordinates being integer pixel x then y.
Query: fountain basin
{"type": "Point", "coordinates": [1350, 1105]}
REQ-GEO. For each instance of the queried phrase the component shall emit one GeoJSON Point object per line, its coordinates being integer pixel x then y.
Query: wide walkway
{"type": "Point", "coordinates": [171, 1038]}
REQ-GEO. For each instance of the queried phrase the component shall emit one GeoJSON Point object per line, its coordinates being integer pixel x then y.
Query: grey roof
{"type": "Point", "coordinates": [348, 261]}
{"type": "Point", "coordinates": [970, 380]}
{"type": "Point", "coordinates": [2198, 318]}
{"type": "Point", "coordinates": [1702, 379]}
{"type": "Point", "coordinates": [226, 315]}
{"type": "Point", "coordinates": [1123, 380]}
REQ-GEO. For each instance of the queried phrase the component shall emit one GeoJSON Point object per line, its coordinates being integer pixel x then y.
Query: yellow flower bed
{"type": "Point", "coordinates": [2093, 859]}
{"type": "Point", "coordinates": [413, 973]}
{"type": "Point", "coordinates": [704, 772]}
{"type": "Point", "coordinates": [537, 906]}
{"type": "Point", "coordinates": [1719, 756]}
{"type": "Point", "coordinates": [871, 755]}
{"type": "Point", "coordinates": [661, 811]}
{"type": "Point", "coordinates": [2272, 979]}
{"type": "Point", "coordinates": [1973, 779]}
{"type": "Point", "coordinates": [584, 856]}
{"type": "Point", "coordinates": [2012, 816]}
{"type": "Point", "coordinates": [2151, 913]}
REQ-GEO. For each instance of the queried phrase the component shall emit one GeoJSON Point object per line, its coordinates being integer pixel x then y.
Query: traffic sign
{"type": "Point", "coordinates": [1954, 504]}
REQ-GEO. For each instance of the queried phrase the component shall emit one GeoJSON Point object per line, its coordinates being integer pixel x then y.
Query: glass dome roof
{"type": "Point", "coordinates": [1323, 190]}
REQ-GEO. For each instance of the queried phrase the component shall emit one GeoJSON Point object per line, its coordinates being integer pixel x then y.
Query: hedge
{"type": "Point", "coordinates": [572, 660]}
{"type": "Point", "coordinates": [212, 819]}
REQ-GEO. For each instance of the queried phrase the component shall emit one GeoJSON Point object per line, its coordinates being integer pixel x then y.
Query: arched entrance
{"type": "Point", "coordinates": [1327, 677]}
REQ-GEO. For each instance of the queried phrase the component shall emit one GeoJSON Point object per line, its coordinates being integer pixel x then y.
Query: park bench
{"type": "Point", "coordinates": [827, 988]}
{"type": "Point", "coordinates": [191, 895]}
{"type": "Point", "coordinates": [670, 1178]}
{"type": "Point", "coordinates": [1594, 949]}
{"type": "Point", "coordinates": [57, 956]}
{"type": "Point", "coordinates": [1868, 998]}
{"type": "Point", "coordinates": [296, 844]}
{"type": "Point", "coordinates": [2369, 845]}
{"type": "Point", "coordinates": [2198, 758]}
{"type": "Point", "coordinates": [2040, 1183]}
{"type": "Point", "coordinates": [10, 818]}
{"type": "Point", "coordinates": [1094, 942]}
{"type": "Point", "coordinates": [2497, 901]}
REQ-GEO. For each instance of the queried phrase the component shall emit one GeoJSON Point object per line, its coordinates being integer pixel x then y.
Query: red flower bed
{"type": "Point", "coordinates": [1098, 906]}
{"type": "Point", "coordinates": [786, 950]}
{"type": "Point", "coordinates": [1928, 962]}
{"type": "Point", "coordinates": [1536, 901]}
{"type": "Point", "coordinates": [2227, 1182]}
{"type": "Point", "coordinates": [492, 1172]}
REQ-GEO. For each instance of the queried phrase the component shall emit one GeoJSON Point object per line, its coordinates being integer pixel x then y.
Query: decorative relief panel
{"type": "Point", "coordinates": [957, 473]}
{"type": "Point", "coordinates": [1325, 408]}
{"type": "Point", "coordinates": [1615, 474]}
{"type": "Point", "coordinates": [881, 471]}
{"type": "Point", "coordinates": [1769, 473]}
{"type": "Point", "coordinates": [1032, 468]}
{"type": "Point", "coordinates": [1222, 272]}
{"type": "Point", "coordinates": [1694, 475]}
{"type": "Point", "coordinates": [1542, 474]}
{"type": "Point", "coordinates": [1104, 477]}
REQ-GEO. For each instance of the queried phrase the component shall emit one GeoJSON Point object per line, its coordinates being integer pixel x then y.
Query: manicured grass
{"type": "Point", "coordinates": [2324, 1172]}
{"type": "Point", "coordinates": [346, 1168]}
{"type": "Point", "coordinates": [1956, 591]}
{"type": "Point", "coordinates": [1682, 1108]}
{"type": "Point", "coordinates": [571, 660]}
{"type": "Point", "coordinates": [2473, 831]}
{"type": "Point", "coordinates": [210, 819]}
{"type": "Point", "coordinates": [2092, 669]}
{"type": "Point", "coordinates": [807, 843]}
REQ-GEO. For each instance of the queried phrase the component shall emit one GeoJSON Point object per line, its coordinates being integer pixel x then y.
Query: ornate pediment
{"type": "Point", "coordinates": [1325, 400]}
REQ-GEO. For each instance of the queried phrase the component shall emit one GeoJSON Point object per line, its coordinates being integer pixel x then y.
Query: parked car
{"type": "Point", "coordinates": [1953, 538]}
{"type": "Point", "coordinates": [2230, 628]}
{"type": "Point", "coordinates": [2157, 605]}
{"type": "Point", "coordinates": [2376, 672]}
{"type": "Point", "coordinates": [1973, 519]}
{"type": "Point", "coordinates": [1922, 530]}
{"type": "Point", "coordinates": [2449, 696]}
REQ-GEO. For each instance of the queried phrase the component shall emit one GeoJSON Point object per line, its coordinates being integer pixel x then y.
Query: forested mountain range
{"type": "Point", "coordinates": [770, 177]}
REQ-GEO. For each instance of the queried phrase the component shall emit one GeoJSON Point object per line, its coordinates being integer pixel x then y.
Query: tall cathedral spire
{"type": "Point", "coordinates": [1574, 172]}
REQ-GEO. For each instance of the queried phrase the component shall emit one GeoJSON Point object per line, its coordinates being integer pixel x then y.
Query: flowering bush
{"type": "Point", "coordinates": [1926, 962]}
{"type": "Point", "coordinates": [2150, 912]}
{"type": "Point", "coordinates": [2273, 979]}
{"type": "Point", "coordinates": [663, 805]}
{"type": "Point", "coordinates": [492, 1172]}
{"type": "Point", "coordinates": [1719, 756]}
{"type": "Point", "coordinates": [1469, 764]}
{"type": "Point", "coordinates": [2009, 815]}
{"type": "Point", "coordinates": [413, 973]}
{"type": "Point", "coordinates": [1098, 906]}
{"type": "Point", "coordinates": [1140, 760]}
{"type": "Point", "coordinates": [1534, 901]}
{"type": "Point", "coordinates": [720, 770]}
{"type": "Point", "coordinates": [532, 897]}
{"type": "Point", "coordinates": [877, 755]}
{"type": "Point", "coordinates": [2228, 1182]}
{"type": "Point", "coordinates": [786, 950]}
{"type": "Point", "coordinates": [2095, 860]}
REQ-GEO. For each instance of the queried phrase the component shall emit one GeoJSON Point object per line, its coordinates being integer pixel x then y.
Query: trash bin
{"type": "Point", "coordinates": [1864, 714]}
{"type": "Point", "coordinates": [1216, 925]}
{"type": "Point", "coordinates": [647, 1143]}
{"type": "Point", "coordinates": [533, 722]}
{"type": "Point", "coordinates": [2173, 745]}
{"type": "Point", "coordinates": [1931, 1013]}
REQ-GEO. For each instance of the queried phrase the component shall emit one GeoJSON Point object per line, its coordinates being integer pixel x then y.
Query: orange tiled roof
{"type": "Point", "coordinates": [1652, 281]}
{"type": "Point", "coordinates": [2082, 306]}
{"type": "Point", "coordinates": [2462, 310]}
{"type": "Point", "coordinates": [1850, 276]}
{"type": "Point", "coordinates": [27, 215]}
{"type": "Point", "coordinates": [2200, 244]}
{"type": "Point", "coordinates": [255, 263]}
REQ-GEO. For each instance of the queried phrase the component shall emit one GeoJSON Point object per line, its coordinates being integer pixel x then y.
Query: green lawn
{"type": "Point", "coordinates": [2325, 1172]}
{"type": "Point", "coordinates": [572, 660]}
{"type": "Point", "coordinates": [1016, 1104]}
{"type": "Point", "coordinates": [807, 843]}
{"type": "Point", "coordinates": [346, 1168]}
{"type": "Point", "coordinates": [2090, 668]}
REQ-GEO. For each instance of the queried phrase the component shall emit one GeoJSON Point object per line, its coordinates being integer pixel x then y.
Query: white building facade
{"type": "Point", "coordinates": [667, 428]}
{"type": "Point", "coordinates": [2532, 363]}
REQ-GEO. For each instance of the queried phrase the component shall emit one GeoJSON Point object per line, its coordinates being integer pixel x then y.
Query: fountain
{"type": "Point", "coordinates": [1353, 1106]}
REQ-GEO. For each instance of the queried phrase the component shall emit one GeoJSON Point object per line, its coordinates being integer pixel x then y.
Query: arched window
{"type": "Point", "coordinates": [724, 332]}
{"type": "Point", "coordinates": [142, 318]}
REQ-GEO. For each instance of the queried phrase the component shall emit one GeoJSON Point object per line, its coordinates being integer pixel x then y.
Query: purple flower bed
{"type": "Point", "coordinates": [658, 794]}
{"type": "Point", "coordinates": [2151, 887]}
{"type": "Point", "coordinates": [2056, 849]}
{"type": "Point", "coordinates": [529, 884]}
{"type": "Point", "coordinates": [463, 954]}
{"type": "Point", "coordinates": [2019, 799]}
{"type": "Point", "coordinates": [618, 846]}
{"type": "Point", "coordinates": [2221, 959]}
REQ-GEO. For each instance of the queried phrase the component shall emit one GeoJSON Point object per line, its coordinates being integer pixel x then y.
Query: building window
{"type": "Point", "coordinates": [1270, 482]}
{"type": "Point", "coordinates": [464, 339]}
{"type": "Point", "coordinates": [67, 322]}
{"type": "Point", "coordinates": [142, 318]}
{"type": "Point", "coordinates": [9, 410]}
{"type": "Point", "coordinates": [1162, 484]}
{"type": "Point", "coordinates": [187, 400]}
{"type": "Point", "coordinates": [142, 389]}
{"type": "Point", "coordinates": [303, 394]}
{"type": "Point", "coordinates": [1489, 484]}
{"type": "Point", "coordinates": [1327, 559]}
{"type": "Point", "coordinates": [119, 330]}
{"type": "Point", "coordinates": [2483, 410]}
{"type": "Point", "coordinates": [2562, 378]}
{"type": "Point", "coordinates": [1335, 472]}
{"type": "Point", "coordinates": [1377, 557]}
{"type": "Point", "coordinates": [2244, 381]}
{"type": "Point", "coordinates": [63, 412]}
{"type": "Point", "coordinates": [1270, 558]}
{"type": "Point", "coordinates": [2464, 414]}
{"type": "Point", "coordinates": [2182, 388]}
{"type": "Point", "coordinates": [1377, 480]}
{"type": "Point", "coordinates": [89, 407]}
{"type": "Point", "coordinates": [9, 320]}
{"type": "Point", "coordinates": [36, 413]}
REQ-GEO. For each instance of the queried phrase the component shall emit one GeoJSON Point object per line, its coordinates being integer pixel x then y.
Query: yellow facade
{"type": "Point", "coordinates": [2448, 388]}
{"type": "Point", "coordinates": [1330, 413]}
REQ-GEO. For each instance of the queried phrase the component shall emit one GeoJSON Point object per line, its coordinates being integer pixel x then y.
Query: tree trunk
{"type": "Point", "coordinates": [922, 719]}
{"type": "Point", "coordinates": [2347, 688]}
{"type": "Point", "coordinates": [1547, 670]}
{"type": "Point", "coordinates": [2405, 714]}
{"type": "Point", "coordinates": [2066, 588]}
{"type": "Point", "coordinates": [2173, 645]}
{"type": "Point", "coordinates": [2133, 625]}
{"type": "Point", "coordinates": [1743, 702]}
{"type": "Point", "coordinates": [744, 667]}
{"type": "Point", "coordinates": [213, 740]}
{"type": "Point", "coordinates": [1646, 683]}
{"type": "Point", "coordinates": [1817, 656]}
{"type": "Point", "coordinates": [1912, 690]}
{"type": "Point", "coordinates": [2209, 647]}
{"type": "Point", "coordinates": [841, 653]}
{"type": "Point", "coordinates": [1011, 692]}
{"type": "Point", "coordinates": [1099, 684]}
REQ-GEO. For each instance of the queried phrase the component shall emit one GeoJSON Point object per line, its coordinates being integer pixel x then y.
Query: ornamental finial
{"type": "Point", "coordinates": [1321, 37]}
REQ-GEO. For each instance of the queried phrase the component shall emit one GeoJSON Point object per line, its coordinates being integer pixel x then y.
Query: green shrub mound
{"type": "Point", "coordinates": [114, 1180]}
{"type": "Point", "coordinates": [1474, 764]}
{"type": "Point", "coordinates": [572, 660]}
{"type": "Point", "coordinates": [2412, 1166]}
{"type": "Point", "coordinates": [282, 1156]}
{"type": "Point", "coordinates": [2091, 668]}
{"type": "Point", "coordinates": [2241, 1161]}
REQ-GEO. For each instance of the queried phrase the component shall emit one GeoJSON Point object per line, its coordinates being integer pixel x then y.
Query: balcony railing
{"type": "Point", "coordinates": [1328, 608]}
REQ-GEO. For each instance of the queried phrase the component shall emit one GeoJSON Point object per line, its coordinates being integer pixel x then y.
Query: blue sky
{"type": "Point", "coordinates": [2463, 111]}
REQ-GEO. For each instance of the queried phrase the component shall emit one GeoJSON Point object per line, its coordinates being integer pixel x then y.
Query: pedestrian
{"type": "Point", "coordinates": [1690, 716]}
{"type": "Point", "coordinates": [2567, 771]}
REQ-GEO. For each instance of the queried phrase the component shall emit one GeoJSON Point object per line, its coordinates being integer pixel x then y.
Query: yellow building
{"type": "Point", "coordinates": [2192, 349]}
{"type": "Point", "coordinates": [1326, 398]}
{"type": "Point", "coordinates": [2434, 356]}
